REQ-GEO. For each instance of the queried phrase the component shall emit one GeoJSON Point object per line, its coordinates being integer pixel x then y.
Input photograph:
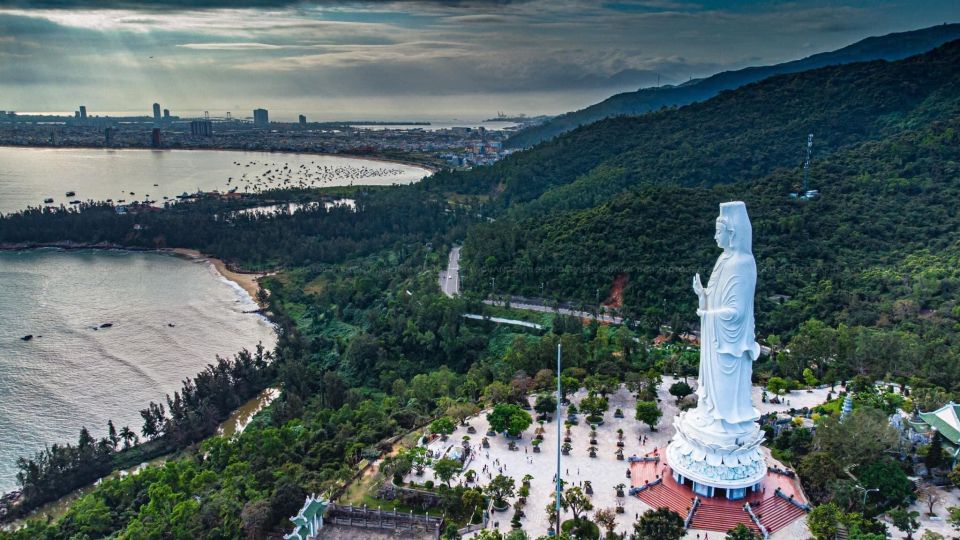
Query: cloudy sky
{"type": "Point", "coordinates": [405, 59]}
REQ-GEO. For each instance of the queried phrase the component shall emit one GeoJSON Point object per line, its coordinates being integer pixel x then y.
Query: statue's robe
{"type": "Point", "coordinates": [727, 343]}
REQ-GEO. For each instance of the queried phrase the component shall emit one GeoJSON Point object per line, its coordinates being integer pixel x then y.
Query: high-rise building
{"type": "Point", "coordinates": [303, 120]}
{"type": "Point", "coordinates": [201, 128]}
{"type": "Point", "coordinates": [156, 112]}
{"type": "Point", "coordinates": [260, 117]}
{"type": "Point", "coordinates": [83, 112]}
{"type": "Point", "coordinates": [166, 114]}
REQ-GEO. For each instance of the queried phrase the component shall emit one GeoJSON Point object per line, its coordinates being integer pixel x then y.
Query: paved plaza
{"type": "Point", "coordinates": [605, 471]}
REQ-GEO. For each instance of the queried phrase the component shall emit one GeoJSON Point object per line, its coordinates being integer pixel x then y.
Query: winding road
{"type": "Point", "coordinates": [450, 278]}
{"type": "Point", "coordinates": [450, 285]}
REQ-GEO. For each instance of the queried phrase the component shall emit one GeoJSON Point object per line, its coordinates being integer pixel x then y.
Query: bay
{"type": "Point", "coordinates": [170, 316]}
{"type": "Point", "coordinates": [28, 176]}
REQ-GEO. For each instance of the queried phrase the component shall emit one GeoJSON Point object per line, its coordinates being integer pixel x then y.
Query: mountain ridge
{"type": "Point", "coordinates": [894, 46]}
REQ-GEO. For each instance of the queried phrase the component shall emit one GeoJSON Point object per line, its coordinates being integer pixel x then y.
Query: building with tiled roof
{"type": "Point", "coordinates": [946, 420]}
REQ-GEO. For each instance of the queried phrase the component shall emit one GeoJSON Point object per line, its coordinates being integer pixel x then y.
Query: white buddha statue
{"type": "Point", "coordinates": [717, 444]}
{"type": "Point", "coordinates": [727, 346]}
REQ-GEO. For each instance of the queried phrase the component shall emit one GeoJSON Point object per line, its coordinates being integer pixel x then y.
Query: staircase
{"type": "Point", "coordinates": [714, 517]}
{"type": "Point", "coordinates": [661, 496]}
{"type": "Point", "coordinates": [776, 513]}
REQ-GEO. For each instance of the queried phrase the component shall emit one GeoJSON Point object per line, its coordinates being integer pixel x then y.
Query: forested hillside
{"type": "Point", "coordinates": [739, 135]}
{"type": "Point", "coordinates": [636, 198]}
{"type": "Point", "coordinates": [883, 230]}
{"type": "Point", "coordinates": [888, 47]}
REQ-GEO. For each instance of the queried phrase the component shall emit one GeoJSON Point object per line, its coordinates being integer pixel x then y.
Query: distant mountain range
{"type": "Point", "coordinates": [889, 47]}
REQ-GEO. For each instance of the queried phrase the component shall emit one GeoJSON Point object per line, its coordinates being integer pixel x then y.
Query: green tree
{"type": "Point", "coordinates": [129, 437]}
{"type": "Point", "coordinates": [934, 457]}
{"type": "Point", "coordinates": [778, 385]}
{"type": "Point", "coordinates": [886, 476]}
{"type": "Point", "coordinates": [649, 413]}
{"type": "Point", "coordinates": [905, 521]}
{"type": "Point", "coordinates": [471, 499]}
{"type": "Point", "coordinates": [499, 488]}
{"type": "Point", "coordinates": [509, 418]}
{"type": "Point", "coordinates": [953, 517]}
{"type": "Point", "coordinates": [824, 521]}
{"type": "Point", "coordinates": [659, 524]}
{"type": "Point", "coordinates": [928, 398]}
{"type": "Point", "coordinates": [680, 390]}
{"type": "Point", "coordinates": [594, 405]}
{"type": "Point", "coordinates": [545, 404]}
{"type": "Point", "coordinates": [460, 411]}
{"type": "Point", "coordinates": [443, 426]}
{"type": "Point", "coordinates": [447, 469]}
{"type": "Point", "coordinates": [818, 471]}
{"type": "Point", "coordinates": [606, 518]}
{"type": "Point", "coordinates": [418, 456]}
{"type": "Point", "coordinates": [90, 516]}
{"type": "Point", "coordinates": [256, 517]}
{"type": "Point", "coordinates": [863, 437]}
{"type": "Point", "coordinates": [576, 501]}
{"type": "Point", "coordinates": [741, 532]}
{"type": "Point", "coordinates": [496, 393]}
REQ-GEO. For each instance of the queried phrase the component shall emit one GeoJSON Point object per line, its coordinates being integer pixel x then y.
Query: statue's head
{"type": "Point", "coordinates": [733, 228]}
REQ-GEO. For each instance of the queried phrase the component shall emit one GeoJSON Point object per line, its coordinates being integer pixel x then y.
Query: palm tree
{"type": "Point", "coordinates": [127, 435]}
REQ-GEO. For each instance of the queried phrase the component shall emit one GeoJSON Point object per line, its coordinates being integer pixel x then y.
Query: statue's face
{"type": "Point", "coordinates": [723, 235]}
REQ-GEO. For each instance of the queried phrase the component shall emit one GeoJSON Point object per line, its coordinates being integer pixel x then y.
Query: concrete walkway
{"type": "Point", "coordinates": [543, 308]}
{"type": "Point", "coordinates": [500, 320]}
{"type": "Point", "coordinates": [605, 471]}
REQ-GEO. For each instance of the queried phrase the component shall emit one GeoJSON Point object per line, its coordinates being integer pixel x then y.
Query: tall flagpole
{"type": "Point", "coordinates": [559, 396]}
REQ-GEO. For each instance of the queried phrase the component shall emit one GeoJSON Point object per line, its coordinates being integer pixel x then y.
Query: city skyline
{"type": "Point", "coordinates": [395, 60]}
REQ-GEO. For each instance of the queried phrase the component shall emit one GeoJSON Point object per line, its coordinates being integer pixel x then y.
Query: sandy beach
{"type": "Point", "coordinates": [249, 282]}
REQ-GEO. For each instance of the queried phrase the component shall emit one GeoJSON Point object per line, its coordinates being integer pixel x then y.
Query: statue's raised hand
{"type": "Point", "coordinates": [698, 288]}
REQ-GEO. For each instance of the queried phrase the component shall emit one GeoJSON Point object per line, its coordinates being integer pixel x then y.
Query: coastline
{"type": "Point", "coordinates": [236, 421]}
{"type": "Point", "coordinates": [431, 169]}
{"type": "Point", "coordinates": [249, 282]}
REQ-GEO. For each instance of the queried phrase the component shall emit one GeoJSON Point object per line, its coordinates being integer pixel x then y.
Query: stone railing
{"type": "Point", "coordinates": [756, 521]}
{"type": "Point", "coordinates": [470, 528]}
{"type": "Point", "coordinates": [782, 472]}
{"type": "Point", "coordinates": [646, 485]}
{"type": "Point", "coordinates": [693, 510]}
{"type": "Point", "coordinates": [368, 518]}
{"type": "Point", "coordinates": [790, 499]}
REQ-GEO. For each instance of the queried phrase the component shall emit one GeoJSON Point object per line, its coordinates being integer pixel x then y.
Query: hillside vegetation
{"type": "Point", "coordinates": [638, 197]}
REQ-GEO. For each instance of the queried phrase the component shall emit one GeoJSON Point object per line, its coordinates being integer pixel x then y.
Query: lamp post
{"type": "Point", "coordinates": [559, 423]}
{"type": "Point", "coordinates": [865, 492]}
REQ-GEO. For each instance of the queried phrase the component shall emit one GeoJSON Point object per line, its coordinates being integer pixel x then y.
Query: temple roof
{"type": "Point", "coordinates": [945, 420]}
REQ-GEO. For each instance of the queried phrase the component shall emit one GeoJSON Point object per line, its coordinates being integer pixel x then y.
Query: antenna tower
{"type": "Point", "coordinates": [806, 163]}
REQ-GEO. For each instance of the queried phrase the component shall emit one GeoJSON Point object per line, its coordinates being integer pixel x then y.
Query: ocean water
{"type": "Point", "coordinates": [28, 176]}
{"type": "Point", "coordinates": [73, 373]}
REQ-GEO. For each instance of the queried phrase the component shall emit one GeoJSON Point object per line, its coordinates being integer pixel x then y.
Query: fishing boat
{"type": "Point", "coordinates": [48, 200]}
{"type": "Point", "coordinates": [71, 193]}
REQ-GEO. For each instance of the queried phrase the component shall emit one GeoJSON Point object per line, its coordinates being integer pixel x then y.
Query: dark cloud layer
{"type": "Point", "coordinates": [163, 5]}
{"type": "Point", "coordinates": [405, 56]}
